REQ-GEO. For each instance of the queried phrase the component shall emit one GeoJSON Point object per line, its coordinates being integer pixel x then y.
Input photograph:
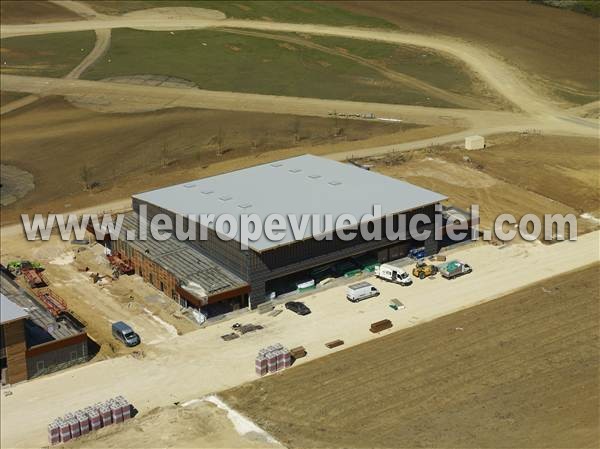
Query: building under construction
{"type": "Point", "coordinates": [36, 335]}
{"type": "Point", "coordinates": [218, 275]}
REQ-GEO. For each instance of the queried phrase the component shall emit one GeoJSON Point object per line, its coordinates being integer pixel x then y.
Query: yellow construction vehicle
{"type": "Point", "coordinates": [423, 270]}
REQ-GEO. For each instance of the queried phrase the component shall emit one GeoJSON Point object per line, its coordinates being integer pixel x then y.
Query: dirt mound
{"type": "Point", "coordinates": [100, 103]}
{"type": "Point", "coordinates": [16, 183]}
{"type": "Point", "coordinates": [199, 424]}
{"type": "Point", "coordinates": [158, 18]}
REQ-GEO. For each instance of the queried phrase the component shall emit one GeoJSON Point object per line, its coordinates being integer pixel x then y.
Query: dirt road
{"type": "Point", "coordinates": [499, 75]}
{"type": "Point", "coordinates": [119, 95]}
{"type": "Point", "coordinates": [101, 45]}
{"type": "Point", "coordinates": [203, 365]}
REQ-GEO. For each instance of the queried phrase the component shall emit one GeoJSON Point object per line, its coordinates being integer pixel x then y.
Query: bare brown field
{"type": "Point", "coordinates": [565, 169]}
{"type": "Point", "coordinates": [514, 174]}
{"type": "Point", "coordinates": [28, 11]}
{"type": "Point", "coordinates": [556, 47]}
{"type": "Point", "coordinates": [519, 371]}
{"type": "Point", "coordinates": [128, 153]}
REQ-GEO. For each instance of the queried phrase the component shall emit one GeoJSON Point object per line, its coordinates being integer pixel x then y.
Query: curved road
{"type": "Point", "coordinates": [100, 47]}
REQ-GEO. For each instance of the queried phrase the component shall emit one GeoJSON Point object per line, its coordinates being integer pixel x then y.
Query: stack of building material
{"type": "Point", "coordinates": [54, 432]}
{"type": "Point", "coordinates": [271, 359]}
{"type": "Point", "coordinates": [380, 326]}
{"type": "Point", "coordinates": [298, 352]}
{"type": "Point", "coordinates": [82, 422]}
{"type": "Point", "coordinates": [334, 344]}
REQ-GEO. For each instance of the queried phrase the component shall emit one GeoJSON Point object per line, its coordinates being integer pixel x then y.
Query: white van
{"type": "Point", "coordinates": [393, 274]}
{"type": "Point", "coordinates": [360, 291]}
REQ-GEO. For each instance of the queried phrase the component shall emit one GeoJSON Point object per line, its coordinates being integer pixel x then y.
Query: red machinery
{"type": "Point", "coordinates": [123, 266]}
{"type": "Point", "coordinates": [34, 278]}
{"type": "Point", "coordinates": [54, 303]}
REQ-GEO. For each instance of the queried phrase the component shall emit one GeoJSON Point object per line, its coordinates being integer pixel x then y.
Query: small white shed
{"type": "Point", "coordinates": [474, 143]}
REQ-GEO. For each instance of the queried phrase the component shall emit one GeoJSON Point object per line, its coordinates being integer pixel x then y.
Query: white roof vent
{"type": "Point", "coordinates": [225, 197]}
{"type": "Point", "coordinates": [207, 192]}
{"type": "Point", "coordinates": [189, 186]}
{"type": "Point", "coordinates": [295, 170]}
{"type": "Point", "coordinates": [334, 183]}
{"type": "Point", "coordinates": [314, 176]}
{"type": "Point", "coordinates": [276, 164]}
{"type": "Point", "coordinates": [244, 205]}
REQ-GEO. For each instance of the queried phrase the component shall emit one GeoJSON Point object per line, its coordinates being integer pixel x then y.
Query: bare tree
{"type": "Point", "coordinates": [164, 155]}
{"type": "Point", "coordinates": [220, 141]}
{"type": "Point", "coordinates": [296, 129]}
{"type": "Point", "coordinates": [85, 175]}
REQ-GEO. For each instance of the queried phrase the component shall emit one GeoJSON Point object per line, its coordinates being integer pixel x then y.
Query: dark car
{"type": "Point", "coordinates": [297, 307]}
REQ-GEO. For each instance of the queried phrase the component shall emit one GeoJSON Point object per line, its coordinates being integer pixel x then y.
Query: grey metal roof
{"type": "Point", "coordinates": [9, 311]}
{"type": "Point", "coordinates": [300, 185]}
{"type": "Point", "coordinates": [186, 263]}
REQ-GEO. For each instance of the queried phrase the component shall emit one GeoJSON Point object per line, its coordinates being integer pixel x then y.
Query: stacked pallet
{"type": "Point", "coordinates": [271, 359]}
{"type": "Point", "coordinates": [84, 421]}
{"type": "Point", "coordinates": [380, 326]}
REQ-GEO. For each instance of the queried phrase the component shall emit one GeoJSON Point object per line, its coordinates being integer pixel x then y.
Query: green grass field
{"type": "Point", "coordinates": [418, 62]}
{"type": "Point", "coordinates": [280, 11]}
{"type": "Point", "coordinates": [222, 61]}
{"type": "Point", "coordinates": [52, 55]}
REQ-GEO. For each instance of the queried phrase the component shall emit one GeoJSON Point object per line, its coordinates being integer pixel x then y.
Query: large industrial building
{"type": "Point", "coordinates": [218, 275]}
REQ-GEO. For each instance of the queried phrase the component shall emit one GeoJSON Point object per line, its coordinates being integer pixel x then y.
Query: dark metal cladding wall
{"type": "Point", "coordinates": [258, 268]}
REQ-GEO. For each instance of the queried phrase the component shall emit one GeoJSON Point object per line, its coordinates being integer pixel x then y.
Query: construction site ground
{"type": "Point", "coordinates": [199, 363]}
{"type": "Point", "coordinates": [520, 371]}
{"type": "Point", "coordinates": [199, 425]}
{"type": "Point", "coordinates": [155, 317]}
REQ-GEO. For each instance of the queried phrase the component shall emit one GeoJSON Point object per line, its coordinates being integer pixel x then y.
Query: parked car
{"type": "Point", "coordinates": [297, 307]}
{"type": "Point", "coordinates": [124, 333]}
{"type": "Point", "coordinates": [360, 291]}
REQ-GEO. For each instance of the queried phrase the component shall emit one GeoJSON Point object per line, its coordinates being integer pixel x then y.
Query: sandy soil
{"type": "Point", "coordinates": [203, 363]}
{"type": "Point", "coordinates": [520, 371]}
{"type": "Point", "coordinates": [198, 425]}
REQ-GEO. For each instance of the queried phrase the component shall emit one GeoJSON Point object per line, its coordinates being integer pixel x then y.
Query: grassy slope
{"type": "Point", "coordinates": [231, 62]}
{"type": "Point", "coordinates": [519, 371]}
{"type": "Point", "coordinates": [52, 55]}
{"type": "Point", "coordinates": [558, 47]}
{"type": "Point", "coordinates": [296, 12]}
{"type": "Point", "coordinates": [418, 62]}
